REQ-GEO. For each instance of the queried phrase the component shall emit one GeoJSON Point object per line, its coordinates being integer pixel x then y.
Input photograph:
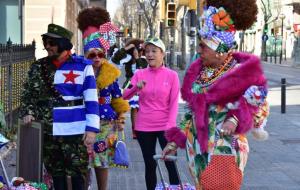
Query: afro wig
{"type": "Point", "coordinates": [93, 16]}
{"type": "Point", "coordinates": [242, 12]}
{"type": "Point", "coordinates": [134, 41]}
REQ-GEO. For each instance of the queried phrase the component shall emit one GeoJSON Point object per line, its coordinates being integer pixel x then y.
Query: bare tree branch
{"type": "Point", "coordinates": [150, 8]}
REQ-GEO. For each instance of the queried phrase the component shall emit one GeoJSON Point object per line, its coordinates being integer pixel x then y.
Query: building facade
{"type": "Point", "coordinates": [38, 14]}
{"type": "Point", "coordinates": [9, 21]}
{"type": "Point", "coordinates": [282, 29]}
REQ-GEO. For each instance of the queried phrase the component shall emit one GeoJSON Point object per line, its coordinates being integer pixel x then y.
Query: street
{"type": "Point", "coordinates": [272, 164]}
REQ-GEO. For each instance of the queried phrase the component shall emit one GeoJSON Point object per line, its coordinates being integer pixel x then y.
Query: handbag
{"type": "Point", "coordinates": [222, 172]}
{"type": "Point", "coordinates": [121, 156]}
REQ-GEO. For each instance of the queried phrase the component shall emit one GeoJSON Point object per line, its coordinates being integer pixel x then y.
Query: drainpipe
{"type": "Point", "coordinates": [21, 3]}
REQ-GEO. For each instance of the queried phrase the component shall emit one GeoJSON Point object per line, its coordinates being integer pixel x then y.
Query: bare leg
{"type": "Point", "coordinates": [102, 178]}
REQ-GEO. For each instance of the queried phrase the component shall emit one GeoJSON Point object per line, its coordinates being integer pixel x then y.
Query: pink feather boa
{"type": "Point", "coordinates": [229, 88]}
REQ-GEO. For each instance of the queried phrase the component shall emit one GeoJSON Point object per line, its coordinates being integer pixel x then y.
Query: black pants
{"type": "Point", "coordinates": [147, 141]}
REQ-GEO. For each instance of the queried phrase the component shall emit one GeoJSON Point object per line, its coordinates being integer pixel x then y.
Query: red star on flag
{"type": "Point", "coordinates": [70, 77]}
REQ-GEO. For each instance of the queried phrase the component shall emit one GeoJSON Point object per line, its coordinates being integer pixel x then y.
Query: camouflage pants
{"type": "Point", "coordinates": [65, 155]}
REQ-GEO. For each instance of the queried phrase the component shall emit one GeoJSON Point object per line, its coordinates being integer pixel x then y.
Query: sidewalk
{"type": "Point", "coordinates": [272, 164]}
{"type": "Point", "coordinates": [289, 62]}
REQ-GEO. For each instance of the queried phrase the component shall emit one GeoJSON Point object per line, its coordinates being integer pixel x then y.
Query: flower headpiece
{"type": "Point", "coordinates": [102, 37]}
{"type": "Point", "coordinates": [218, 30]}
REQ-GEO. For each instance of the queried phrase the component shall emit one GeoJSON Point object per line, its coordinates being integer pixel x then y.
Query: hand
{"type": "Point", "coordinates": [129, 47]}
{"type": "Point", "coordinates": [228, 128]}
{"type": "Point", "coordinates": [120, 122]}
{"type": "Point", "coordinates": [120, 126]}
{"type": "Point", "coordinates": [141, 84]}
{"type": "Point", "coordinates": [28, 119]}
{"type": "Point", "coordinates": [89, 138]}
{"type": "Point", "coordinates": [170, 149]}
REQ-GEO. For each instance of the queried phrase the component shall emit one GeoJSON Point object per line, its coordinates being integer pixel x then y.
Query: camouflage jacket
{"type": "Point", "coordinates": [49, 93]}
{"type": "Point", "coordinates": [37, 98]}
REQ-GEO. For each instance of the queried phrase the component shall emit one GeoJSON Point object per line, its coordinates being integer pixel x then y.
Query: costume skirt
{"type": "Point", "coordinates": [104, 158]}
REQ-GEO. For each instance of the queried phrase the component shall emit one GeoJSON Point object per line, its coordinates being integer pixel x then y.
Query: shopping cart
{"type": "Point", "coordinates": [165, 186]}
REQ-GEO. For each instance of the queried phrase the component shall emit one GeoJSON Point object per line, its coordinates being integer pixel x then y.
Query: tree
{"type": "Point", "coordinates": [267, 15]}
{"type": "Point", "coordinates": [150, 8]}
{"type": "Point", "coordinates": [128, 15]}
{"type": "Point", "coordinates": [125, 16]}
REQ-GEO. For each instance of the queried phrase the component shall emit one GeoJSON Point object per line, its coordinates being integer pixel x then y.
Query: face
{"type": "Point", "coordinates": [51, 46]}
{"type": "Point", "coordinates": [96, 56]}
{"type": "Point", "coordinates": [209, 57]}
{"type": "Point", "coordinates": [154, 55]}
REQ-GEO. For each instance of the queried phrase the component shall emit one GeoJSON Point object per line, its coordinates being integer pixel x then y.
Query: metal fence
{"type": "Point", "coordinates": [15, 60]}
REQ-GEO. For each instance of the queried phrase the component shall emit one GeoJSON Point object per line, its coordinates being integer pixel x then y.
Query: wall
{"type": "Point", "coordinates": [38, 14]}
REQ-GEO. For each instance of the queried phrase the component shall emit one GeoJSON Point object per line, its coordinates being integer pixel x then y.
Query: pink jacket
{"type": "Point", "coordinates": [158, 100]}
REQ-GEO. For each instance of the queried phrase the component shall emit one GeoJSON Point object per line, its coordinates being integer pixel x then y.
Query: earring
{"type": "Point", "coordinates": [218, 55]}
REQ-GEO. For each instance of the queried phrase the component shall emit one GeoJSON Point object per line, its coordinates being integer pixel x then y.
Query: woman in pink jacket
{"type": "Point", "coordinates": [158, 90]}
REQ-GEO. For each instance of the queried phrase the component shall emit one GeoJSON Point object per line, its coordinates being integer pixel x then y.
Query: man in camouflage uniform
{"type": "Point", "coordinates": [61, 92]}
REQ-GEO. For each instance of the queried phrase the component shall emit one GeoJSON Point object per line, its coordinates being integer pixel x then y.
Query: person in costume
{"type": "Point", "coordinates": [98, 36]}
{"type": "Point", "coordinates": [132, 56]}
{"type": "Point", "coordinates": [158, 89]}
{"type": "Point", "coordinates": [225, 91]}
{"type": "Point", "coordinates": [61, 92]}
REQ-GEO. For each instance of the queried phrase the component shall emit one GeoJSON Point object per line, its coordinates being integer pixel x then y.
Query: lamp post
{"type": "Point", "coordinates": [282, 17]}
{"type": "Point", "coordinates": [140, 12]}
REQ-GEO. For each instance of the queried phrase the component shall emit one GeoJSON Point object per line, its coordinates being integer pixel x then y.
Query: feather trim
{"type": "Point", "coordinates": [174, 134]}
{"type": "Point", "coordinates": [120, 105]}
{"type": "Point", "coordinates": [108, 74]}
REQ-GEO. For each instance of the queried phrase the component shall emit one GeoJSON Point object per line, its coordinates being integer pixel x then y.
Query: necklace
{"type": "Point", "coordinates": [208, 75]}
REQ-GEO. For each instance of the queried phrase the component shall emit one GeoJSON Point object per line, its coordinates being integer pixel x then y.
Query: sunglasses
{"type": "Point", "coordinates": [49, 42]}
{"type": "Point", "coordinates": [93, 55]}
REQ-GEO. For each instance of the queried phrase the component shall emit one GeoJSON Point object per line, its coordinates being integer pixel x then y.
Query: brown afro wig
{"type": "Point", "coordinates": [134, 41]}
{"type": "Point", "coordinates": [93, 16]}
{"type": "Point", "coordinates": [242, 12]}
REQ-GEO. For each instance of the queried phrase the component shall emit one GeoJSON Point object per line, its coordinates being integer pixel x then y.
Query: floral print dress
{"type": "Point", "coordinates": [235, 144]}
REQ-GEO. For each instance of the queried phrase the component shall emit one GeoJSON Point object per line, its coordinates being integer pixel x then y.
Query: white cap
{"type": "Point", "coordinates": [157, 42]}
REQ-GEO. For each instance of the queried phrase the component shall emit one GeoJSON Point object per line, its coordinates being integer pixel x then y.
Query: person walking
{"type": "Point", "coordinates": [112, 107]}
{"type": "Point", "coordinates": [158, 90]}
{"type": "Point", "coordinates": [224, 91]}
{"type": "Point", "coordinates": [132, 56]}
{"type": "Point", "coordinates": [60, 91]}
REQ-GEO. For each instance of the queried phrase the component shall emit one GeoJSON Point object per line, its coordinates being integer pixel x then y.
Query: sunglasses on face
{"type": "Point", "coordinates": [94, 54]}
{"type": "Point", "coordinates": [50, 43]}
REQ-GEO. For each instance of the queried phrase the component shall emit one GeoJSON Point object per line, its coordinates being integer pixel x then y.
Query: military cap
{"type": "Point", "coordinates": [56, 31]}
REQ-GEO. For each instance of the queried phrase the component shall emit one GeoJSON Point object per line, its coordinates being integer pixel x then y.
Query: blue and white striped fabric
{"type": "Point", "coordinates": [75, 80]}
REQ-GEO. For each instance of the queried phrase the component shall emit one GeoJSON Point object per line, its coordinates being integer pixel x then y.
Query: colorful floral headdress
{"type": "Point", "coordinates": [217, 30]}
{"type": "Point", "coordinates": [102, 37]}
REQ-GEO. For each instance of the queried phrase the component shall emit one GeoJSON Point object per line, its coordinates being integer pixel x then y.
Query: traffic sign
{"type": "Point", "coordinates": [120, 34]}
{"type": "Point", "coordinates": [265, 37]}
